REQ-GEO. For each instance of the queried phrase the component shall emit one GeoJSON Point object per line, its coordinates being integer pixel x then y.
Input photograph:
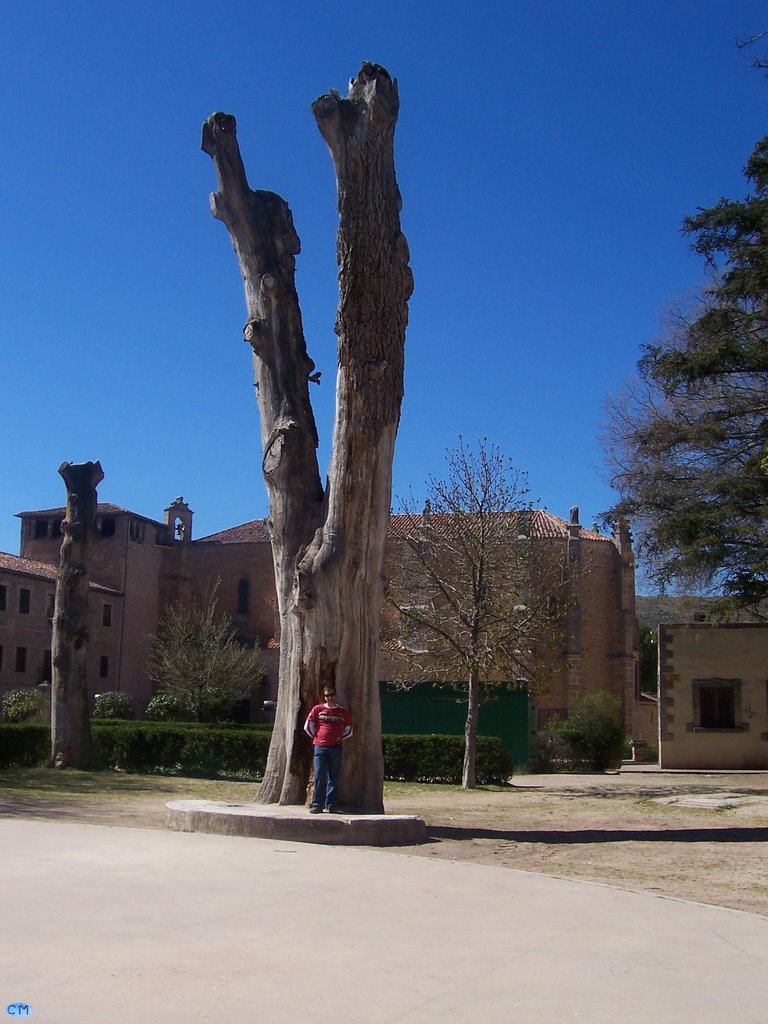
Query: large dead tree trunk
{"type": "Point", "coordinates": [71, 741]}
{"type": "Point", "coordinates": [328, 543]}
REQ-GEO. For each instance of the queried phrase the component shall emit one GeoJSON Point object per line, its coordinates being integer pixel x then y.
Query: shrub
{"type": "Point", "coordinates": [21, 705]}
{"type": "Point", "coordinates": [550, 751]}
{"type": "Point", "coordinates": [24, 745]}
{"type": "Point", "coordinates": [592, 737]}
{"type": "Point", "coordinates": [216, 708]}
{"type": "Point", "coordinates": [112, 705]}
{"type": "Point", "coordinates": [164, 707]}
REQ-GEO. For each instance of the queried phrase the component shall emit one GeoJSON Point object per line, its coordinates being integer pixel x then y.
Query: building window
{"type": "Point", "coordinates": [41, 528]}
{"type": "Point", "coordinates": [106, 615]}
{"type": "Point", "coordinates": [243, 597]}
{"type": "Point", "coordinates": [3, 594]}
{"type": "Point", "coordinates": [103, 666]}
{"type": "Point", "coordinates": [21, 659]}
{"type": "Point", "coordinates": [56, 528]}
{"type": "Point", "coordinates": [715, 703]}
{"type": "Point", "coordinates": [108, 526]}
{"type": "Point", "coordinates": [136, 530]}
{"type": "Point", "coordinates": [24, 601]}
{"type": "Point", "coordinates": [1, 657]}
{"type": "Point", "coordinates": [47, 667]}
{"type": "Point", "coordinates": [49, 611]}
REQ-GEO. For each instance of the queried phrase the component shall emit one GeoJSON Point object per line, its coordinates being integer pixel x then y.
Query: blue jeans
{"type": "Point", "coordinates": [327, 761]}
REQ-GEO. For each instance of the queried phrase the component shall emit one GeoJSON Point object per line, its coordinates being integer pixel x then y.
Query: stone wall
{"type": "Point", "coordinates": [713, 696]}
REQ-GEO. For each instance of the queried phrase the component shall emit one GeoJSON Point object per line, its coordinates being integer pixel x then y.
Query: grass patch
{"type": "Point", "coordinates": [71, 784]}
{"type": "Point", "coordinates": [103, 786]}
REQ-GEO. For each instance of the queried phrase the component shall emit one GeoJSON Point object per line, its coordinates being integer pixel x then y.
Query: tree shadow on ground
{"type": "Point", "coordinates": [73, 781]}
{"type": "Point", "coordinates": [555, 837]}
{"type": "Point", "coordinates": [644, 792]}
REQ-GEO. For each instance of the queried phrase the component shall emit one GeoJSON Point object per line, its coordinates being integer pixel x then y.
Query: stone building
{"type": "Point", "coordinates": [713, 696]}
{"type": "Point", "coordinates": [27, 592]}
{"type": "Point", "coordinates": [601, 635]}
{"type": "Point", "coordinates": [141, 565]}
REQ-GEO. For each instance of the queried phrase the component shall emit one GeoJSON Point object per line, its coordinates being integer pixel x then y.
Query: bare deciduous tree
{"type": "Point", "coordinates": [197, 658]}
{"type": "Point", "coordinates": [477, 593]}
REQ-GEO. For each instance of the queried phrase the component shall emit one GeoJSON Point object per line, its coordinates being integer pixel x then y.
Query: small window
{"type": "Point", "coordinates": [718, 707]}
{"type": "Point", "coordinates": [103, 666]}
{"type": "Point", "coordinates": [51, 608]}
{"type": "Point", "coordinates": [136, 530]}
{"type": "Point", "coordinates": [106, 615]}
{"type": "Point", "coordinates": [243, 597]}
{"type": "Point", "coordinates": [1, 657]}
{"type": "Point", "coordinates": [47, 667]}
{"type": "Point", "coordinates": [108, 526]}
{"type": "Point", "coordinates": [715, 703]}
{"type": "Point", "coordinates": [21, 659]}
{"type": "Point", "coordinates": [41, 528]}
{"type": "Point", "coordinates": [3, 595]}
{"type": "Point", "coordinates": [24, 601]}
{"type": "Point", "coordinates": [56, 528]}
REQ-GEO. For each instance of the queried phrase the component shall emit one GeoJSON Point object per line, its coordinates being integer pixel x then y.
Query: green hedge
{"type": "Point", "coordinates": [209, 750]}
{"type": "Point", "coordinates": [441, 759]}
{"type": "Point", "coordinates": [24, 745]}
{"type": "Point", "coordinates": [182, 747]}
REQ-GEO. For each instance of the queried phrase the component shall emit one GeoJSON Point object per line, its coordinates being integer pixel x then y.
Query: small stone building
{"type": "Point", "coordinates": [713, 696]}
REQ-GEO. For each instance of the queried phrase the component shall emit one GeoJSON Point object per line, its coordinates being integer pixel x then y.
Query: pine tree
{"type": "Point", "coordinates": [688, 443]}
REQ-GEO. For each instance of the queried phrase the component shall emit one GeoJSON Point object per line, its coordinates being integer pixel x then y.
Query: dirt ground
{"type": "Point", "coordinates": [696, 836]}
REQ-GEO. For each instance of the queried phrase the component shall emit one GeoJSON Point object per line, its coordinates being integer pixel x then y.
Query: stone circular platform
{"type": "Point", "coordinates": [296, 824]}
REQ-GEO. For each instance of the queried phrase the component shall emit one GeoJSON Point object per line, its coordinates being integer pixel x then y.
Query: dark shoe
{"type": "Point", "coordinates": [334, 810]}
{"type": "Point", "coordinates": [315, 810]}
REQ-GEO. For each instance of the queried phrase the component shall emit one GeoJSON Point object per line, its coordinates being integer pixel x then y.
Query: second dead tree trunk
{"type": "Point", "coordinates": [327, 543]}
{"type": "Point", "coordinates": [71, 741]}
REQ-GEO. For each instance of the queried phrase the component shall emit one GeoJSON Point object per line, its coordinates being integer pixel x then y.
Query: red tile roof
{"type": "Point", "coordinates": [39, 570]}
{"type": "Point", "coordinates": [542, 524]}
{"type": "Point", "coordinates": [102, 508]}
{"type": "Point", "coordinates": [254, 532]}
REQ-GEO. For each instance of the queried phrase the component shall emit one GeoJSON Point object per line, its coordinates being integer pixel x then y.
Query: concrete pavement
{"type": "Point", "coordinates": [115, 926]}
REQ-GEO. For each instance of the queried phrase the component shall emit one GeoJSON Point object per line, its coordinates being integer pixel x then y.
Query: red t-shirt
{"type": "Point", "coordinates": [328, 726]}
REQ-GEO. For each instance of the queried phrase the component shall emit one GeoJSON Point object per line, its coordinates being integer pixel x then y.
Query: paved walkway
{"type": "Point", "coordinates": [117, 926]}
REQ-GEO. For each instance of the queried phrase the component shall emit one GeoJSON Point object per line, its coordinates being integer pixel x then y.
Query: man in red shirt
{"type": "Point", "coordinates": [328, 725]}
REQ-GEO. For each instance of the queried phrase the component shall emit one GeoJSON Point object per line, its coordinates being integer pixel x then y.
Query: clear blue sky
{"type": "Point", "coordinates": [547, 153]}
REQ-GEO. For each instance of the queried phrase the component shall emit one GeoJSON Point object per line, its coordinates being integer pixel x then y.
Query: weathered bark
{"type": "Point", "coordinates": [328, 544]}
{"type": "Point", "coordinates": [71, 742]}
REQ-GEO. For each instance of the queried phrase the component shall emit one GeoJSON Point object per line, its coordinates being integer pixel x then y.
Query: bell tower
{"type": "Point", "coordinates": [178, 519]}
